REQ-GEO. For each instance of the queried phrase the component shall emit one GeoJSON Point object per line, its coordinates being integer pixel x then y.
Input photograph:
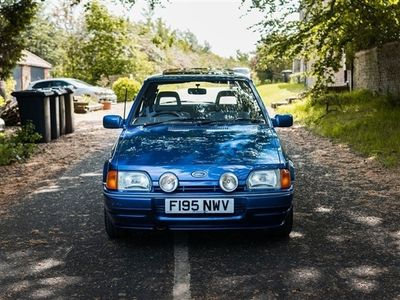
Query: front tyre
{"type": "Point", "coordinates": [286, 229]}
{"type": "Point", "coordinates": [112, 231]}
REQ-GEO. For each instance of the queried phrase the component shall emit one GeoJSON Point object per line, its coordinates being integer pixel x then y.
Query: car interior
{"type": "Point", "coordinates": [214, 104]}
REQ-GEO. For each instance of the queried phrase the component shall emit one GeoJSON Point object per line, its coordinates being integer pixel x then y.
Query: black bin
{"type": "Point", "coordinates": [69, 110]}
{"type": "Point", "coordinates": [55, 115]}
{"type": "Point", "coordinates": [34, 106]}
{"type": "Point", "coordinates": [66, 110]}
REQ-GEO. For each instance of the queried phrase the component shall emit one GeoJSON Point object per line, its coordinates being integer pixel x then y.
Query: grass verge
{"type": "Point", "coordinates": [369, 123]}
{"type": "Point", "coordinates": [279, 91]}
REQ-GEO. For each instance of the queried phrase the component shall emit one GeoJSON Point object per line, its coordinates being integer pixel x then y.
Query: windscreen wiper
{"type": "Point", "coordinates": [204, 121]}
{"type": "Point", "coordinates": [170, 120]}
{"type": "Point", "coordinates": [255, 121]}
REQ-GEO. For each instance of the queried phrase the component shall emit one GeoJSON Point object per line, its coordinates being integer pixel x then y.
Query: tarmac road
{"type": "Point", "coordinates": [345, 243]}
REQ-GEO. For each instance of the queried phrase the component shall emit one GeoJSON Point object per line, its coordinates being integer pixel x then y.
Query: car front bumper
{"type": "Point", "coordinates": [147, 211]}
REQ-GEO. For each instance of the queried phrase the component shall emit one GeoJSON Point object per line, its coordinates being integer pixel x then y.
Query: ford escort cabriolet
{"type": "Point", "coordinates": [198, 151]}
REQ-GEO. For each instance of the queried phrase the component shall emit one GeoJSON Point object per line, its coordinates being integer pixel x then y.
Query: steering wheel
{"type": "Point", "coordinates": [174, 113]}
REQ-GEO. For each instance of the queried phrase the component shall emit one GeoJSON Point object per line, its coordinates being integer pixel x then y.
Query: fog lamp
{"type": "Point", "coordinates": [228, 182]}
{"type": "Point", "coordinates": [168, 182]}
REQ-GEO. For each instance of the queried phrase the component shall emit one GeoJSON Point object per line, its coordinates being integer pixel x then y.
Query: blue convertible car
{"type": "Point", "coordinates": [198, 151]}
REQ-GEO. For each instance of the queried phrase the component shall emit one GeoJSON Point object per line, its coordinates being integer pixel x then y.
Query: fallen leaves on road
{"type": "Point", "coordinates": [52, 159]}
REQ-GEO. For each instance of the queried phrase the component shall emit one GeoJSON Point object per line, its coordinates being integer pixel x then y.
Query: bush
{"type": "Point", "coordinates": [18, 146]}
{"type": "Point", "coordinates": [2, 101]}
{"type": "Point", "coordinates": [124, 83]}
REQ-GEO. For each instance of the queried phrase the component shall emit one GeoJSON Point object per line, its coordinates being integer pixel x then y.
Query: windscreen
{"type": "Point", "coordinates": [220, 101]}
{"type": "Point", "coordinates": [80, 83]}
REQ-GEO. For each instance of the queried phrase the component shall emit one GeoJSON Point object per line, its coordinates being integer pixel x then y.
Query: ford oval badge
{"type": "Point", "coordinates": [199, 174]}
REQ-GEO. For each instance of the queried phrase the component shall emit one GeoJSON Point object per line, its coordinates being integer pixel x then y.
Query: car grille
{"type": "Point", "coordinates": [199, 189]}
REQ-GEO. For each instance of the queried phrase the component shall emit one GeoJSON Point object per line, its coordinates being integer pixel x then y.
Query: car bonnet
{"type": "Point", "coordinates": [178, 146]}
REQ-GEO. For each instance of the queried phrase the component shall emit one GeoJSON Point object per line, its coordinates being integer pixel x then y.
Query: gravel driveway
{"type": "Point", "coordinates": [345, 243]}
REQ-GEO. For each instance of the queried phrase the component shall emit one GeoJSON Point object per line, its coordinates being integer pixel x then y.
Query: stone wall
{"type": "Point", "coordinates": [378, 69]}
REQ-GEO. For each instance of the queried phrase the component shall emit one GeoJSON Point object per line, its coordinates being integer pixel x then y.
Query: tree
{"type": "Point", "coordinates": [46, 40]}
{"type": "Point", "coordinates": [268, 67]}
{"type": "Point", "coordinates": [106, 50]}
{"type": "Point", "coordinates": [191, 40]}
{"type": "Point", "coordinates": [326, 29]}
{"type": "Point", "coordinates": [106, 46]}
{"type": "Point", "coordinates": [242, 57]}
{"type": "Point", "coordinates": [97, 45]}
{"type": "Point", "coordinates": [206, 47]}
{"type": "Point", "coordinates": [152, 3]}
{"type": "Point", "coordinates": [15, 18]}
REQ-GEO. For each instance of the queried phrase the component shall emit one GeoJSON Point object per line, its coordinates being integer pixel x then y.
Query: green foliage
{"type": "Point", "coordinates": [366, 121]}
{"type": "Point", "coordinates": [326, 30]}
{"type": "Point", "coordinates": [18, 146]}
{"type": "Point", "coordinates": [142, 67]}
{"type": "Point", "coordinates": [63, 42]}
{"type": "Point", "coordinates": [2, 101]}
{"type": "Point", "coordinates": [163, 36]}
{"type": "Point", "coordinates": [123, 85]}
{"type": "Point", "coordinates": [89, 43]}
{"type": "Point", "coordinates": [49, 42]}
{"type": "Point", "coordinates": [104, 52]}
{"type": "Point", "coordinates": [242, 58]}
{"type": "Point", "coordinates": [10, 86]}
{"type": "Point", "coordinates": [15, 18]}
{"type": "Point", "coordinates": [267, 67]}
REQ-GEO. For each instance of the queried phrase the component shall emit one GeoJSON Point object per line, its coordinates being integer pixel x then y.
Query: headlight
{"type": "Point", "coordinates": [168, 182]}
{"type": "Point", "coordinates": [134, 181]}
{"type": "Point", "coordinates": [267, 179]}
{"type": "Point", "coordinates": [228, 182]}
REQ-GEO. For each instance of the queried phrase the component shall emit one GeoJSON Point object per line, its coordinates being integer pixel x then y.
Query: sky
{"type": "Point", "coordinates": [223, 23]}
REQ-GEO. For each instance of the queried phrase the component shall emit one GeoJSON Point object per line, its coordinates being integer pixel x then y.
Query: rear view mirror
{"type": "Point", "coordinates": [282, 121]}
{"type": "Point", "coordinates": [197, 91]}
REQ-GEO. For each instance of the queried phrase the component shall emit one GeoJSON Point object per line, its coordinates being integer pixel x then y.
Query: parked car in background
{"type": "Point", "coordinates": [198, 151]}
{"type": "Point", "coordinates": [243, 71]}
{"type": "Point", "coordinates": [80, 88]}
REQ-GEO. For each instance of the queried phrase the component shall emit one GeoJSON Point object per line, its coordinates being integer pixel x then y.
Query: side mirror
{"type": "Point", "coordinates": [113, 121]}
{"type": "Point", "coordinates": [282, 121]}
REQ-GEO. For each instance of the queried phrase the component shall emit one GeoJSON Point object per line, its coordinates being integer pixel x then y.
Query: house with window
{"type": "Point", "coordinates": [30, 68]}
{"type": "Point", "coordinates": [342, 78]}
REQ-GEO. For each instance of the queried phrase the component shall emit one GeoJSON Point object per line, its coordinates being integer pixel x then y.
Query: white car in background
{"type": "Point", "coordinates": [242, 71]}
{"type": "Point", "coordinates": [80, 88]}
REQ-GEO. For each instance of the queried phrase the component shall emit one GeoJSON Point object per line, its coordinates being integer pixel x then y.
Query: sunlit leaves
{"type": "Point", "coordinates": [324, 30]}
{"type": "Point", "coordinates": [15, 18]}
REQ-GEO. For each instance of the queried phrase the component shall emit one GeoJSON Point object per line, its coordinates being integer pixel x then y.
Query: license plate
{"type": "Point", "coordinates": [199, 206]}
